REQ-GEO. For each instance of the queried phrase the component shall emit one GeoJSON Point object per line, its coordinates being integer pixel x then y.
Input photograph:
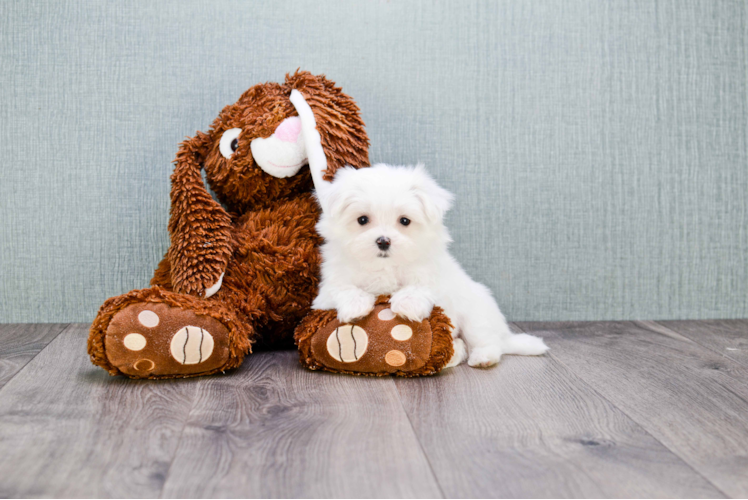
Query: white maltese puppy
{"type": "Point", "coordinates": [384, 235]}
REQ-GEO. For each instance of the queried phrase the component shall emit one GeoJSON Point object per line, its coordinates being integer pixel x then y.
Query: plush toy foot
{"type": "Point", "coordinates": [153, 333]}
{"type": "Point", "coordinates": [381, 343]}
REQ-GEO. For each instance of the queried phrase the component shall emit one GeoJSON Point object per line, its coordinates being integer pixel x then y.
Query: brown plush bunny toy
{"type": "Point", "coordinates": [247, 274]}
{"type": "Point", "coordinates": [241, 275]}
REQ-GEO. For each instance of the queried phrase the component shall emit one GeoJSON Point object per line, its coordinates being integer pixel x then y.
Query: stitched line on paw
{"type": "Point", "coordinates": [200, 347]}
{"type": "Point", "coordinates": [340, 344]}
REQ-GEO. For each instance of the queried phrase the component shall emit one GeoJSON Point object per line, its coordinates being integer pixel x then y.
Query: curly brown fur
{"type": "Point", "coordinates": [264, 240]}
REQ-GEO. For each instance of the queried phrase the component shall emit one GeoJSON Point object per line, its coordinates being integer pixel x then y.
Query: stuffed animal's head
{"type": "Point", "coordinates": [252, 155]}
{"type": "Point", "coordinates": [254, 151]}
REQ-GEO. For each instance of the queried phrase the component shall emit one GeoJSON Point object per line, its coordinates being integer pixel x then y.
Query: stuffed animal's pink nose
{"type": "Point", "coordinates": [289, 130]}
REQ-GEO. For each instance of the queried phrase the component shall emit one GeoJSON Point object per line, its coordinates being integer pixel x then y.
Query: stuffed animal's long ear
{"type": "Point", "coordinates": [314, 151]}
{"type": "Point", "coordinates": [338, 121]}
{"type": "Point", "coordinates": [199, 227]}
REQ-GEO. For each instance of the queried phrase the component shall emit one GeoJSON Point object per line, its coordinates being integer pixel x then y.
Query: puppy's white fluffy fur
{"type": "Point", "coordinates": [416, 270]}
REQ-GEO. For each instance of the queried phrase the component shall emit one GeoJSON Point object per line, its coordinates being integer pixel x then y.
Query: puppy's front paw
{"type": "Point", "coordinates": [354, 306]}
{"type": "Point", "coordinates": [483, 357]}
{"type": "Point", "coordinates": [411, 305]}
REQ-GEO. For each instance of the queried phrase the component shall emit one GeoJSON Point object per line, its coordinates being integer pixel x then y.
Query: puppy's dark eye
{"type": "Point", "coordinates": [363, 220]}
{"type": "Point", "coordinates": [234, 144]}
{"type": "Point", "coordinates": [404, 221]}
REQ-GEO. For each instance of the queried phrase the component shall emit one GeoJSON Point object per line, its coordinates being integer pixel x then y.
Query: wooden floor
{"type": "Point", "coordinates": [623, 409]}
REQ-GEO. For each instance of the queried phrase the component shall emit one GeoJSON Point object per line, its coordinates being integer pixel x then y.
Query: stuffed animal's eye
{"type": "Point", "coordinates": [404, 221]}
{"type": "Point", "coordinates": [363, 220]}
{"type": "Point", "coordinates": [229, 142]}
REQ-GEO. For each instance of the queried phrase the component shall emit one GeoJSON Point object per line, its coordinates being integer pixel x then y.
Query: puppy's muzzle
{"type": "Point", "coordinates": [383, 243]}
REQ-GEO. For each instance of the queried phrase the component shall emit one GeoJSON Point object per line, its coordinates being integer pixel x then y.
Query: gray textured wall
{"type": "Point", "coordinates": [597, 149]}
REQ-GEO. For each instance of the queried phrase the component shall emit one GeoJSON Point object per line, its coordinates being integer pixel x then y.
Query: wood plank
{"type": "Point", "coordinates": [19, 343]}
{"type": "Point", "coordinates": [68, 429]}
{"type": "Point", "coordinates": [692, 400]}
{"type": "Point", "coordinates": [530, 428]}
{"type": "Point", "coordinates": [728, 337]}
{"type": "Point", "coordinates": [278, 430]}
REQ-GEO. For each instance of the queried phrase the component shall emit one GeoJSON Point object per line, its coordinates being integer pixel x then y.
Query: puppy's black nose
{"type": "Point", "coordinates": [383, 243]}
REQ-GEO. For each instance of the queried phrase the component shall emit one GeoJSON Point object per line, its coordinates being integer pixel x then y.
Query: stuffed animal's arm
{"type": "Point", "coordinates": [199, 252]}
{"type": "Point", "coordinates": [200, 230]}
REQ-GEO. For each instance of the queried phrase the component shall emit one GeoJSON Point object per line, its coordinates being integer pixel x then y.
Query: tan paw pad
{"type": "Point", "coordinates": [386, 315]}
{"type": "Point", "coordinates": [148, 319]}
{"type": "Point", "coordinates": [144, 365]}
{"type": "Point", "coordinates": [191, 345]}
{"type": "Point", "coordinates": [401, 332]}
{"type": "Point", "coordinates": [134, 341]}
{"type": "Point", "coordinates": [395, 358]}
{"type": "Point", "coordinates": [347, 343]}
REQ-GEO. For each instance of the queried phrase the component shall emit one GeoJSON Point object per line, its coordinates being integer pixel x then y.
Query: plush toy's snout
{"type": "Point", "coordinates": [283, 153]}
{"type": "Point", "coordinates": [289, 130]}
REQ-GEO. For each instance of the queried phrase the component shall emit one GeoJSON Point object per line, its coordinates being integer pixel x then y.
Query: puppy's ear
{"type": "Point", "coordinates": [198, 226]}
{"type": "Point", "coordinates": [340, 195]}
{"type": "Point", "coordinates": [434, 199]}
